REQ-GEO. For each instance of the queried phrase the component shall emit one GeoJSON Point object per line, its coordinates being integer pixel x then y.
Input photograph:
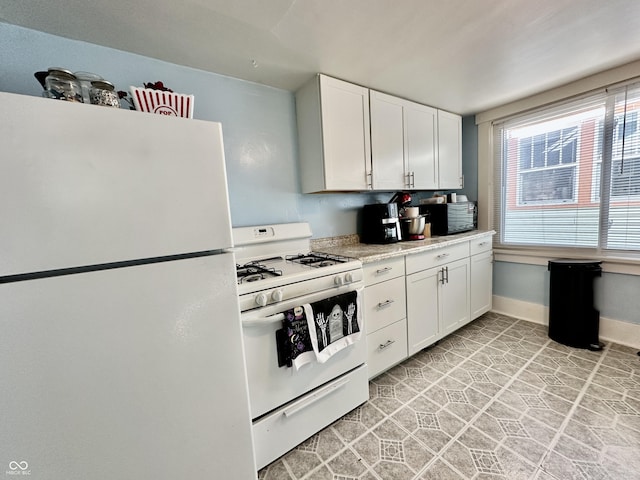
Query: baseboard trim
{"type": "Point", "coordinates": [611, 330]}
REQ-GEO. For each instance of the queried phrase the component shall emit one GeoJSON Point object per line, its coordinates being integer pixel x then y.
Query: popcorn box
{"type": "Point", "coordinates": [162, 103]}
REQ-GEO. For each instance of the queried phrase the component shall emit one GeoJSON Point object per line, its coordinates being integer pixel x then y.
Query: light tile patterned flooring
{"type": "Point", "coordinates": [495, 400]}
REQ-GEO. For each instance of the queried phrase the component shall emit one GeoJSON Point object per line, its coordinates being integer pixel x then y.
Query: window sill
{"type": "Point", "coordinates": [534, 256]}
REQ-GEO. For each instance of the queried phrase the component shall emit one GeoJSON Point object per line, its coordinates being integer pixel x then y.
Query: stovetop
{"type": "Point", "coordinates": [281, 266]}
{"type": "Point", "coordinates": [259, 273]}
{"type": "Point", "coordinates": [274, 256]}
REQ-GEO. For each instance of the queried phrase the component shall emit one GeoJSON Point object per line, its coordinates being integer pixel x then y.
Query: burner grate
{"type": "Point", "coordinates": [316, 259]}
{"type": "Point", "coordinates": [254, 271]}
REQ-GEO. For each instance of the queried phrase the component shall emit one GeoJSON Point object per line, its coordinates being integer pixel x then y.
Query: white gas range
{"type": "Point", "coordinates": [277, 272]}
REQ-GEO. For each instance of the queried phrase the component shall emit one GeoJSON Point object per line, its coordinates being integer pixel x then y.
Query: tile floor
{"type": "Point", "coordinates": [496, 400]}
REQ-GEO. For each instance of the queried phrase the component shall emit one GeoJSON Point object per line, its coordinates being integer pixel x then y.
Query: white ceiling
{"type": "Point", "coordinates": [460, 55]}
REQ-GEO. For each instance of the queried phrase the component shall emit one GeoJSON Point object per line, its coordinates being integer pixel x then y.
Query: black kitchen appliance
{"type": "Point", "coordinates": [450, 218]}
{"type": "Point", "coordinates": [380, 223]}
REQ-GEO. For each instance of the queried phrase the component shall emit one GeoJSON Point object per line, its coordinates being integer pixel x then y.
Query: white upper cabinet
{"type": "Point", "coordinates": [421, 150]}
{"type": "Point", "coordinates": [413, 146]}
{"type": "Point", "coordinates": [449, 150]}
{"type": "Point", "coordinates": [355, 139]}
{"type": "Point", "coordinates": [334, 136]}
{"type": "Point", "coordinates": [387, 142]}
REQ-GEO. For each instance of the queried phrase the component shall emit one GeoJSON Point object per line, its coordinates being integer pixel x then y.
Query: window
{"type": "Point", "coordinates": [568, 175]}
{"type": "Point", "coordinates": [547, 166]}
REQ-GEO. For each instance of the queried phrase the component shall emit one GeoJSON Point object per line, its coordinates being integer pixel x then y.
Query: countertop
{"type": "Point", "coordinates": [349, 246]}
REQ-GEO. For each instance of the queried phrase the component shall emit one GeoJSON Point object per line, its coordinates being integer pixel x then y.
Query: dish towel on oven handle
{"type": "Point", "coordinates": [334, 323]}
{"type": "Point", "coordinates": [297, 341]}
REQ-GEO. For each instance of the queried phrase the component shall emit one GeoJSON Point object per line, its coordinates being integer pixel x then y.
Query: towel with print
{"type": "Point", "coordinates": [334, 323]}
{"type": "Point", "coordinates": [298, 341]}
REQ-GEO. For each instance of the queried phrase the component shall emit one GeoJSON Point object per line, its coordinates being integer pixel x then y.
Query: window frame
{"type": "Point", "coordinates": [623, 263]}
{"type": "Point", "coordinates": [602, 237]}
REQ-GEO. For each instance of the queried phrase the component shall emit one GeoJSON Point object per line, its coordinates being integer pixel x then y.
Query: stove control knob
{"type": "Point", "coordinates": [348, 277]}
{"type": "Point", "coordinates": [338, 280]}
{"type": "Point", "coordinates": [277, 295]}
{"type": "Point", "coordinates": [261, 299]}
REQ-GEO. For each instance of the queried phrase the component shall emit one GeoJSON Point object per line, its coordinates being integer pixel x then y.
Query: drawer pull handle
{"type": "Point", "coordinates": [482, 244]}
{"type": "Point", "coordinates": [314, 397]}
{"type": "Point", "coordinates": [386, 344]}
{"type": "Point", "coordinates": [383, 270]}
{"type": "Point", "coordinates": [442, 255]}
{"type": "Point", "coordinates": [386, 303]}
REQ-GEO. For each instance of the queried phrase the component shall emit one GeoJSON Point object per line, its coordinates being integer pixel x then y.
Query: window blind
{"type": "Point", "coordinates": [620, 226]}
{"type": "Point", "coordinates": [568, 175]}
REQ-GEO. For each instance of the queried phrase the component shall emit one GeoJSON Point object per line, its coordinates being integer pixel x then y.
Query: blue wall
{"type": "Point", "coordinates": [470, 157]}
{"type": "Point", "coordinates": [258, 122]}
{"type": "Point", "coordinates": [615, 295]}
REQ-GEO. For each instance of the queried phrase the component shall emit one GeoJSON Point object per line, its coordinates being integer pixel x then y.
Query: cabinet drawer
{"type": "Point", "coordinates": [480, 245]}
{"type": "Point", "coordinates": [384, 303]}
{"type": "Point", "coordinates": [386, 347]}
{"type": "Point", "coordinates": [436, 257]}
{"type": "Point", "coordinates": [383, 270]}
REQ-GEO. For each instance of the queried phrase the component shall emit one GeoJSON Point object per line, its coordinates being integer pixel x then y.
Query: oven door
{"type": "Point", "coordinates": [271, 386]}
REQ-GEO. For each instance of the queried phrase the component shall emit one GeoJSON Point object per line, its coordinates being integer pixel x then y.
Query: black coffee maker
{"type": "Point", "coordinates": [380, 223]}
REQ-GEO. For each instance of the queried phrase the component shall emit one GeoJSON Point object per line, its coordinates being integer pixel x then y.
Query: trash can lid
{"type": "Point", "coordinates": [578, 261]}
{"type": "Point", "coordinates": [573, 263]}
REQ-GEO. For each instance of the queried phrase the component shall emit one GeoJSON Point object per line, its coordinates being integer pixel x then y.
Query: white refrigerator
{"type": "Point", "coordinates": [121, 350]}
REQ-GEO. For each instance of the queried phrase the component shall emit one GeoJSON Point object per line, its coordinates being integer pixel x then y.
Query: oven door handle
{"type": "Point", "coordinates": [314, 397]}
{"type": "Point", "coordinates": [259, 321]}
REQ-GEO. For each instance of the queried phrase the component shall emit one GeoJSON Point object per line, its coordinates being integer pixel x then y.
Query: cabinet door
{"type": "Point", "coordinates": [345, 134]}
{"type": "Point", "coordinates": [422, 309]}
{"type": "Point", "coordinates": [387, 142]}
{"type": "Point", "coordinates": [481, 283]}
{"type": "Point", "coordinates": [454, 296]}
{"type": "Point", "coordinates": [420, 124]}
{"type": "Point", "coordinates": [449, 150]}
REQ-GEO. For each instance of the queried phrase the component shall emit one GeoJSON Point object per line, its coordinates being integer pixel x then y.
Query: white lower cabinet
{"type": "Point", "coordinates": [438, 298]}
{"type": "Point", "coordinates": [422, 309]}
{"type": "Point", "coordinates": [413, 301]}
{"type": "Point", "coordinates": [481, 277]}
{"type": "Point", "coordinates": [385, 314]}
{"type": "Point", "coordinates": [454, 296]}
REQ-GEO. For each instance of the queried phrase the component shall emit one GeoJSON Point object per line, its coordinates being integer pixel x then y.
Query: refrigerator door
{"type": "Point", "coordinates": [135, 372]}
{"type": "Point", "coordinates": [85, 185]}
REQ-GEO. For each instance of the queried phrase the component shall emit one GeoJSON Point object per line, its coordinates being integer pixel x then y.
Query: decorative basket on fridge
{"type": "Point", "coordinates": [162, 102]}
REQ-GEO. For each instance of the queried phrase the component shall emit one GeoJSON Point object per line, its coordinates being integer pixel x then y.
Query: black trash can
{"type": "Point", "coordinates": [573, 320]}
